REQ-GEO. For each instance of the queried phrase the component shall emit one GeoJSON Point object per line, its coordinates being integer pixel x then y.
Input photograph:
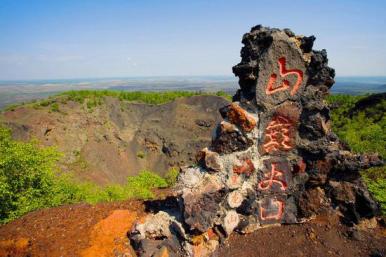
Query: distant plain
{"type": "Point", "coordinates": [12, 92]}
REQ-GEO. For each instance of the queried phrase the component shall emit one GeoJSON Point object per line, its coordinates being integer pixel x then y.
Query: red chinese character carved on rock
{"type": "Point", "coordinates": [277, 135]}
{"type": "Point", "coordinates": [275, 176]}
{"type": "Point", "coordinates": [272, 88]}
{"type": "Point", "coordinates": [273, 210]}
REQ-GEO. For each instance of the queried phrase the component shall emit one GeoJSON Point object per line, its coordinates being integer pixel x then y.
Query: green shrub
{"type": "Point", "coordinates": [146, 179]}
{"type": "Point", "coordinates": [365, 132]}
{"type": "Point", "coordinates": [11, 107]}
{"type": "Point", "coordinates": [95, 97]}
{"type": "Point", "coordinates": [362, 132]}
{"type": "Point", "coordinates": [140, 186]}
{"type": "Point", "coordinates": [54, 107]}
{"type": "Point", "coordinates": [224, 94]}
{"type": "Point", "coordinates": [29, 180]}
{"type": "Point", "coordinates": [375, 179]}
{"type": "Point", "coordinates": [26, 176]}
{"type": "Point", "coordinates": [93, 102]}
{"type": "Point", "coordinates": [45, 102]}
{"type": "Point", "coordinates": [171, 176]}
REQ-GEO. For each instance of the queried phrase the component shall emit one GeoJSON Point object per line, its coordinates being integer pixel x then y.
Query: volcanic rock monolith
{"type": "Point", "coordinates": [273, 160]}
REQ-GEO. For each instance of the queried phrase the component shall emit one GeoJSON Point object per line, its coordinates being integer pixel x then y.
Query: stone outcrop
{"type": "Point", "coordinates": [273, 160]}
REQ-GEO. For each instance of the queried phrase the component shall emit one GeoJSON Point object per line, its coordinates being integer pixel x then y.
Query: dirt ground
{"type": "Point", "coordinates": [74, 230]}
{"type": "Point", "coordinates": [101, 230]}
{"type": "Point", "coordinates": [320, 237]}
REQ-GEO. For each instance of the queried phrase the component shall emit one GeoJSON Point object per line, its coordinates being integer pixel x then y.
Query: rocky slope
{"type": "Point", "coordinates": [111, 141]}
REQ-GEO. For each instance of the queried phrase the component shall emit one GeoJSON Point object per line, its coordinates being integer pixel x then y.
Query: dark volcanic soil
{"type": "Point", "coordinates": [320, 237]}
{"type": "Point", "coordinates": [84, 230]}
{"type": "Point", "coordinates": [116, 139]}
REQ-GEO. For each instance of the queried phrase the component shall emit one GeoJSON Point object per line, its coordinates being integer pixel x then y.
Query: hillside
{"type": "Point", "coordinates": [105, 139]}
{"type": "Point", "coordinates": [84, 230]}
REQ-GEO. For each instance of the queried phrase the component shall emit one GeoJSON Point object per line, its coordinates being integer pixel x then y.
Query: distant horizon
{"type": "Point", "coordinates": [162, 76]}
{"type": "Point", "coordinates": [17, 91]}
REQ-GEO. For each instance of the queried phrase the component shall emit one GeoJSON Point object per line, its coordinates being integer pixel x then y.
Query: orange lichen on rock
{"type": "Point", "coordinates": [246, 168]}
{"type": "Point", "coordinates": [212, 235]}
{"type": "Point", "coordinates": [109, 235]}
{"type": "Point", "coordinates": [204, 249]}
{"type": "Point", "coordinates": [238, 116]}
{"type": "Point", "coordinates": [207, 236]}
{"type": "Point", "coordinates": [164, 252]}
{"type": "Point", "coordinates": [15, 248]}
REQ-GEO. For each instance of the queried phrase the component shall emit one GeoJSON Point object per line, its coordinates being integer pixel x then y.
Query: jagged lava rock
{"type": "Point", "coordinates": [274, 158]}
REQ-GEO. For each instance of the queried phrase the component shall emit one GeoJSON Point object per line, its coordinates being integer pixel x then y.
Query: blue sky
{"type": "Point", "coordinates": [116, 38]}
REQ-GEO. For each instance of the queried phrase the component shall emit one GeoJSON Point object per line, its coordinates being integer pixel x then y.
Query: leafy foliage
{"type": "Point", "coordinates": [94, 97]}
{"type": "Point", "coordinates": [11, 107]}
{"type": "Point", "coordinates": [375, 179]}
{"type": "Point", "coordinates": [361, 131]}
{"type": "Point", "coordinates": [54, 107]}
{"type": "Point", "coordinates": [364, 131]}
{"type": "Point", "coordinates": [29, 180]}
{"type": "Point", "coordinates": [171, 176]}
{"type": "Point", "coordinates": [26, 176]}
{"type": "Point", "coordinates": [139, 185]}
{"type": "Point", "coordinates": [68, 190]}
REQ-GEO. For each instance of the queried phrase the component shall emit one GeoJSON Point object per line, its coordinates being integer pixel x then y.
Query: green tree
{"type": "Point", "coordinates": [29, 180]}
{"type": "Point", "coordinates": [27, 176]}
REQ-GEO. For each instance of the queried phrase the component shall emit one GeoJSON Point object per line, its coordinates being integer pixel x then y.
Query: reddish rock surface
{"type": "Point", "coordinates": [238, 116]}
{"type": "Point", "coordinates": [68, 231]}
{"type": "Point", "coordinates": [109, 235]}
{"type": "Point", "coordinates": [74, 230]}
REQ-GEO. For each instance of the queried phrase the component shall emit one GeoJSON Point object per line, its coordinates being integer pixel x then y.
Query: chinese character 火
{"type": "Point", "coordinates": [275, 176]}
